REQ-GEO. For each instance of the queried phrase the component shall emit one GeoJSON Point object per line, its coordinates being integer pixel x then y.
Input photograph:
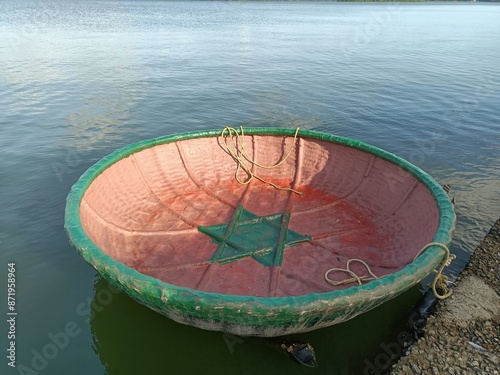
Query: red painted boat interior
{"type": "Point", "coordinates": [144, 211]}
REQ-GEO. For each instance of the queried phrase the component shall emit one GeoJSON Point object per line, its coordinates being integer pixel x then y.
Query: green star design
{"type": "Point", "coordinates": [264, 238]}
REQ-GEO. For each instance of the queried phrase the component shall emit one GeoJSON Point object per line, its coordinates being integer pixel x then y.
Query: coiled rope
{"type": "Point", "coordinates": [236, 148]}
{"type": "Point", "coordinates": [354, 278]}
{"type": "Point", "coordinates": [440, 281]}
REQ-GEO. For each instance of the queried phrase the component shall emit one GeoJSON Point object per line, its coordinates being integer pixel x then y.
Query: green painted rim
{"type": "Point", "coordinates": [249, 310]}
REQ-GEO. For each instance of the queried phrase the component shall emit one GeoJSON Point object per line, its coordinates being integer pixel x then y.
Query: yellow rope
{"type": "Point", "coordinates": [237, 150]}
{"type": "Point", "coordinates": [440, 281]}
{"type": "Point", "coordinates": [354, 278]}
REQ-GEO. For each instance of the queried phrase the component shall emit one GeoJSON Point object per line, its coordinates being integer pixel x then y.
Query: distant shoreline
{"type": "Point", "coordinates": [414, 1]}
{"type": "Point", "coordinates": [373, 1]}
{"type": "Point", "coordinates": [357, 1]}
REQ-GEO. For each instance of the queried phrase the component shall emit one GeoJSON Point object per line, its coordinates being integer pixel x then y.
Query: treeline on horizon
{"type": "Point", "coordinates": [378, 1]}
{"type": "Point", "coordinates": [371, 1]}
{"type": "Point", "coordinates": [382, 1]}
{"type": "Point", "coordinates": [413, 1]}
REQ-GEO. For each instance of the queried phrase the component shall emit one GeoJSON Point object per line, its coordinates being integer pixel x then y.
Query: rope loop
{"type": "Point", "coordinates": [236, 148]}
{"type": "Point", "coordinates": [440, 281]}
{"type": "Point", "coordinates": [354, 278]}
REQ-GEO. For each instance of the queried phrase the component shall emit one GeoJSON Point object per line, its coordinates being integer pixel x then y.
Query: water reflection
{"type": "Point", "coordinates": [99, 119]}
{"type": "Point", "coordinates": [45, 82]}
{"type": "Point", "coordinates": [478, 202]}
{"type": "Point", "coordinates": [131, 339]}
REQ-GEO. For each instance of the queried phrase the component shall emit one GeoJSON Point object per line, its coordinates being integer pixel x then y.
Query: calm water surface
{"type": "Point", "coordinates": [81, 79]}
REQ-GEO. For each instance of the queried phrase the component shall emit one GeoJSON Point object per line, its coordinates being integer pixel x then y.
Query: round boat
{"type": "Point", "coordinates": [183, 226]}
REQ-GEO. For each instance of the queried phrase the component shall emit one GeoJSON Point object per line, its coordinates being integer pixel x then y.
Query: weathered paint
{"type": "Point", "coordinates": [250, 315]}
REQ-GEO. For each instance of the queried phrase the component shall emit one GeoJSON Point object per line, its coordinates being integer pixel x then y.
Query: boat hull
{"type": "Point", "coordinates": [275, 308]}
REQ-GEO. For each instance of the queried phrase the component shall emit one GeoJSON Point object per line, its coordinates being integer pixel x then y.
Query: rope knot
{"type": "Point", "coordinates": [354, 278]}
{"type": "Point", "coordinates": [440, 281]}
{"type": "Point", "coordinates": [237, 150]}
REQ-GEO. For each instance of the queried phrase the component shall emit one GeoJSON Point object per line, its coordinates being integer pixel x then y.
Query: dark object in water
{"type": "Point", "coordinates": [301, 352]}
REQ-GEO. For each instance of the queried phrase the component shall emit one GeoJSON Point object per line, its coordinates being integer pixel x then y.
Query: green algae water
{"type": "Point", "coordinates": [80, 79]}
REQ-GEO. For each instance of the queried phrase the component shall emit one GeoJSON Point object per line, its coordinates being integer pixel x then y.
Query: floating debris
{"type": "Point", "coordinates": [300, 352]}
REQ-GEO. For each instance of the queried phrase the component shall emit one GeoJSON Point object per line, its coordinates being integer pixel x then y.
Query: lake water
{"type": "Point", "coordinates": [80, 79]}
